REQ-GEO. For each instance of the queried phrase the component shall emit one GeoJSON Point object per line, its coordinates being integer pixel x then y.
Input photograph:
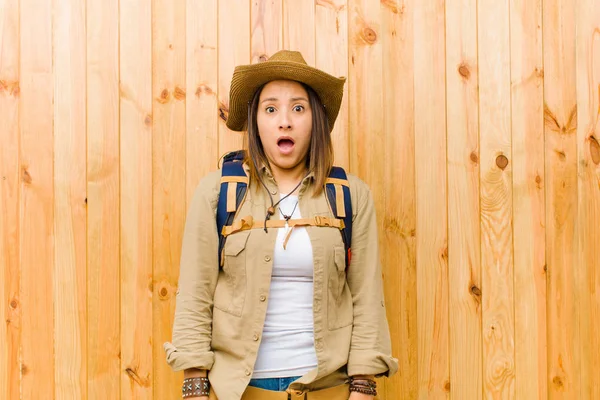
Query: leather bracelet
{"type": "Point", "coordinates": [195, 387]}
{"type": "Point", "coordinates": [363, 390]}
{"type": "Point", "coordinates": [364, 385]}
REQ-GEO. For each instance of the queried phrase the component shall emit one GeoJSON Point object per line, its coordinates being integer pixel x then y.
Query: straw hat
{"type": "Point", "coordinates": [288, 65]}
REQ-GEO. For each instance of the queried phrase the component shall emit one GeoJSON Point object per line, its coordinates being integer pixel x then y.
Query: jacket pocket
{"type": "Point", "coordinates": [230, 292]}
{"type": "Point", "coordinates": [340, 299]}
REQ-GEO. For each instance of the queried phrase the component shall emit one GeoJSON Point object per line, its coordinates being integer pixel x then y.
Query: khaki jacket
{"type": "Point", "coordinates": [220, 312]}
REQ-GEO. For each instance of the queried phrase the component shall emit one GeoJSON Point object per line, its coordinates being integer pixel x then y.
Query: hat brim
{"type": "Point", "coordinates": [248, 78]}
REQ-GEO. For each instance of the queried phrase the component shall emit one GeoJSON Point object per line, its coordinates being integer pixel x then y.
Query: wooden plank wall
{"type": "Point", "coordinates": [476, 124]}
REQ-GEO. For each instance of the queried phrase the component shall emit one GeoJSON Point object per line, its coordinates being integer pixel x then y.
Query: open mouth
{"type": "Point", "coordinates": [285, 144]}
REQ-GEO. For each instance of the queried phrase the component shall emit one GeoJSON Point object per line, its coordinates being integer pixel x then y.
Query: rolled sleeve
{"type": "Point", "coordinates": [370, 346]}
{"type": "Point", "coordinates": [199, 269]}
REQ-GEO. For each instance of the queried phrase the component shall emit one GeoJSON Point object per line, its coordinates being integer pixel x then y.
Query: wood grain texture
{"type": "Point", "coordinates": [201, 102]}
{"type": "Point", "coordinates": [70, 277]}
{"type": "Point", "coordinates": [103, 205]}
{"type": "Point", "coordinates": [588, 149]}
{"type": "Point", "coordinates": [135, 34]}
{"type": "Point", "coordinates": [331, 27]}
{"type": "Point", "coordinates": [234, 49]}
{"type": "Point", "coordinates": [527, 85]}
{"type": "Point", "coordinates": [560, 125]}
{"type": "Point", "coordinates": [498, 325]}
{"type": "Point", "coordinates": [399, 213]}
{"type": "Point", "coordinates": [168, 179]}
{"type": "Point", "coordinates": [266, 32]}
{"type": "Point", "coordinates": [10, 307]}
{"type": "Point", "coordinates": [36, 198]}
{"type": "Point", "coordinates": [299, 28]}
{"type": "Point", "coordinates": [431, 199]}
{"type": "Point", "coordinates": [464, 233]}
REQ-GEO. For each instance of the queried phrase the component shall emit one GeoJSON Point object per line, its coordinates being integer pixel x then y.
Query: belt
{"type": "Point", "coordinates": [339, 392]}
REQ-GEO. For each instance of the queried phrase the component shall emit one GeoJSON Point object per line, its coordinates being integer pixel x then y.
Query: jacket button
{"type": "Point", "coordinates": [267, 258]}
{"type": "Point", "coordinates": [255, 337]}
{"type": "Point", "coordinates": [247, 372]}
{"type": "Point", "coordinates": [263, 297]}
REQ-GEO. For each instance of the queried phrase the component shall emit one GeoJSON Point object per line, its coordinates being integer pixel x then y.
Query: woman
{"type": "Point", "coordinates": [278, 314]}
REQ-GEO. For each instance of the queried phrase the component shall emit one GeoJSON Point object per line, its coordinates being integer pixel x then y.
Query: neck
{"type": "Point", "coordinates": [288, 179]}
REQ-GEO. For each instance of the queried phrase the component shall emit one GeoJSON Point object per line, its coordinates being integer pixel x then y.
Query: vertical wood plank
{"type": "Point", "coordinates": [36, 198]}
{"type": "Point", "coordinates": [202, 139]}
{"type": "Point", "coordinates": [331, 27]}
{"type": "Point", "coordinates": [233, 49]}
{"type": "Point", "coordinates": [169, 181]}
{"type": "Point", "coordinates": [431, 198]}
{"type": "Point", "coordinates": [299, 28]}
{"type": "Point", "coordinates": [10, 309]}
{"type": "Point", "coordinates": [498, 324]}
{"type": "Point", "coordinates": [464, 234]}
{"type": "Point", "coordinates": [588, 149]}
{"type": "Point", "coordinates": [399, 222]}
{"type": "Point", "coordinates": [528, 199]}
{"type": "Point", "coordinates": [560, 123]}
{"type": "Point", "coordinates": [266, 29]}
{"type": "Point", "coordinates": [103, 176]}
{"type": "Point", "coordinates": [136, 198]}
{"type": "Point", "coordinates": [365, 88]}
{"type": "Point", "coordinates": [70, 281]}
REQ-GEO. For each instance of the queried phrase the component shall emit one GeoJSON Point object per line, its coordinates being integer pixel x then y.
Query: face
{"type": "Point", "coordinates": [284, 120]}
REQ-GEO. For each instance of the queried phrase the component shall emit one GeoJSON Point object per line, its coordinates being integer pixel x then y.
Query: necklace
{"type": "Point", "coordinates": [271, 210]}
{"type": "Point", "coordinates": [288, 217]}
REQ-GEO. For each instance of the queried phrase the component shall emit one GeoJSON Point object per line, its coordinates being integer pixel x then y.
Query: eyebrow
{"type": "Point", "coordinates": [292, 99]}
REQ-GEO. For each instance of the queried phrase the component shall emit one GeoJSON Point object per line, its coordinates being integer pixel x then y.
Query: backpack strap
{"type": "Point", "coordinates": [337, 190]}
{"type": "Point", "coordinates": [234, 184]}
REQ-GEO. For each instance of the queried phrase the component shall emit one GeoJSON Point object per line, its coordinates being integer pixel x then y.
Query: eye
{"type": "Point", "coordinates": [298, 108]}
{"type": "Point", "coordinates": [270, 109]}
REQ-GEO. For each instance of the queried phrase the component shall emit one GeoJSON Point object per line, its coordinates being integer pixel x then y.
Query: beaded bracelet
{"type": "Point", "coordinates": [195, 387]}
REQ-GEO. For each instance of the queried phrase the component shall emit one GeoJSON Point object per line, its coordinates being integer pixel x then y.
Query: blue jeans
{"type": "Point", "coordinates": [275, 384]}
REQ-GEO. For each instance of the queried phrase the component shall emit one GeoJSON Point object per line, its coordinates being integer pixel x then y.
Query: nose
{"type": "Point", "coordinates": [285, 122]}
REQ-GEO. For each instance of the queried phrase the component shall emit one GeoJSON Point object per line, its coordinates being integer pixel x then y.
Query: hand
{"type": "Point", "coordinates": [360, 396]}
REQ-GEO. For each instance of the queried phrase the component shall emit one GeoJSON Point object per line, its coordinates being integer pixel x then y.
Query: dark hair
{"type": "Point", "coordinates": [319, 159]}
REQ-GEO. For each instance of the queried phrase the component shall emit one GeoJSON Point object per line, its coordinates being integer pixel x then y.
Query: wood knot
{"type": "Point", "coordinates": [447, 386]}
{"type": "Point", "coordinates": [475, 291]}
{"type": "Point", "coordinates": [474, 157]}
{"type": "Point", "coordinates": [561, 155]}
{"type": "Point", "coordinates": [148, 120]}
{"type": "Point", "coordinates": [24, 369]}
{"type": "Point", "coordinates": [538, 181]}
{"type": "Point", "coordinates": [14, 304]}
{"type": "Point", "coordinates": [12, 88]}
{"type": "Point", "coordinates": [163, 293]}
{"type": "Point", "coordinates": [539, 72]}
{"type": "Point", "coordinates": [558, 382]}
{"type": "Point", "coordinates": [369, 35]}
{"type": "Point", "coordinates": [223, 112]}
{"type": "Point", "coordinates": [170, 47]}
{"type": "Point", "coordinates": [133, 375]}
{"type": "Point", "coordinates": [594, 150]}
{"type": "Point", "coordinates": [203, 89]}
{"type": "Point", "coordinates": [445, 254]}
{"type": "Point", "coordinates": [179, 93]}
{"type": "Point", "coordinates": [545, 268]}
{"type": "Point", "coordinates": [25, 177]}
{"type": "Point", "coordinates": [463, 70]}
{"type": "Point", "coordinates": [502, 161]}
{"type": "Point", "coordinates": [164, 96]}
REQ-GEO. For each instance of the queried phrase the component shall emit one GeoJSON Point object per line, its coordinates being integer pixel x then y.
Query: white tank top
{"type": "Point", "coordinates": [287, 344]}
